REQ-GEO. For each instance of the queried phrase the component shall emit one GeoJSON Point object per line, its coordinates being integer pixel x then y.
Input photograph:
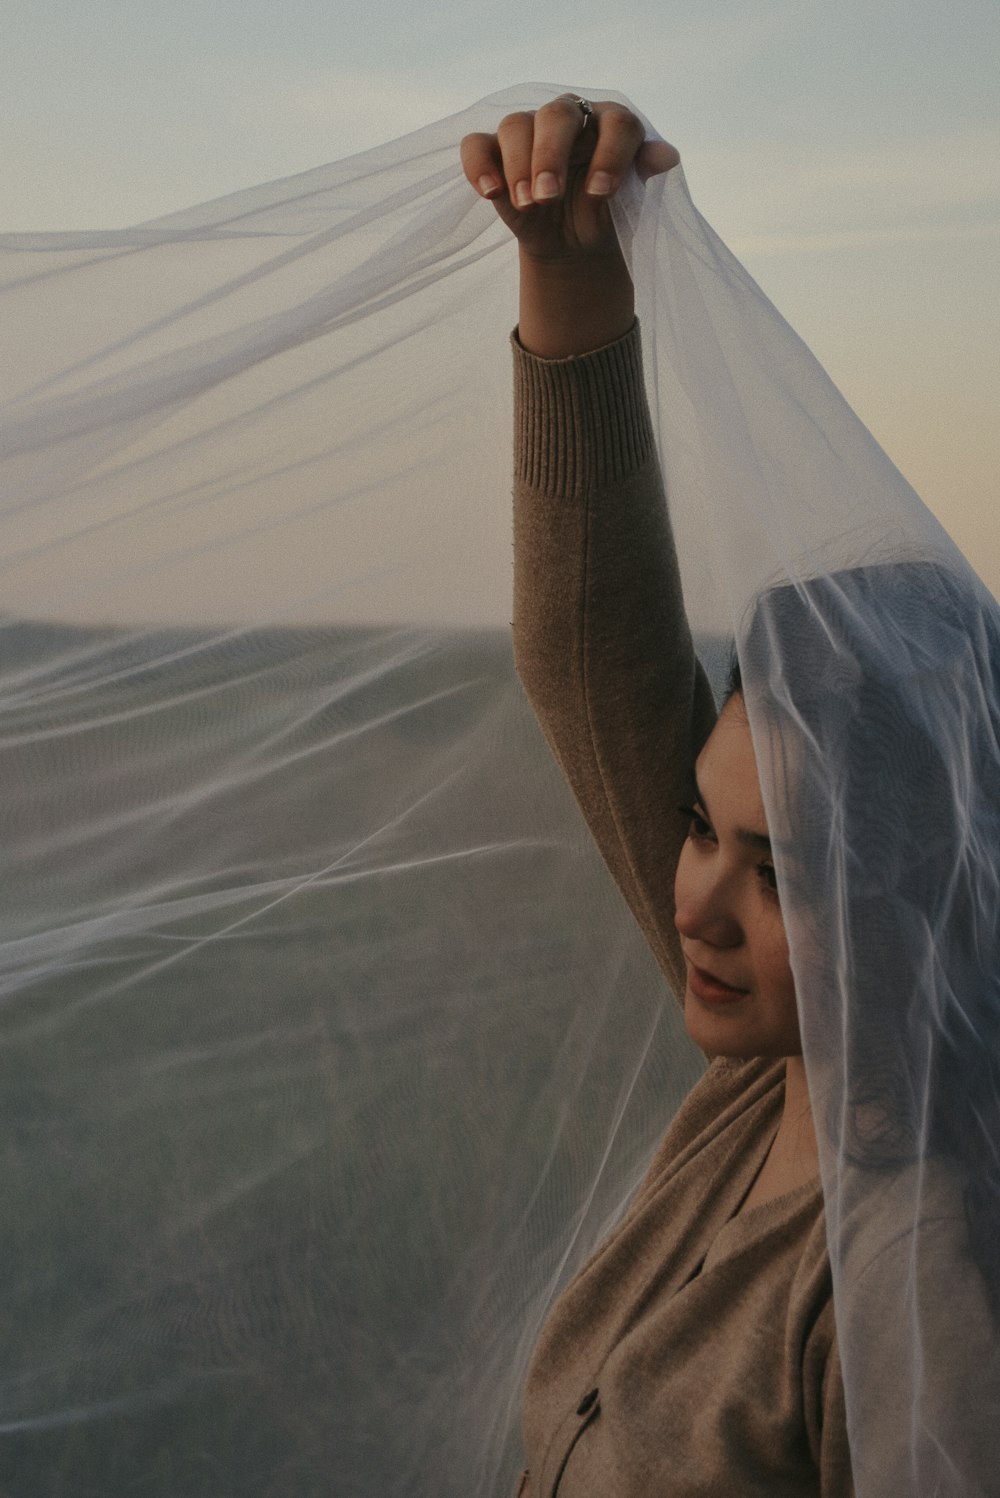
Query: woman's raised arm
{"type": "Point", "coordinates": [601, 641]}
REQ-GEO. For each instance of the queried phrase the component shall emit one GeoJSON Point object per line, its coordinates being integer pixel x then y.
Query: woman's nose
{"type": "Point", "coordinates": [706, 912]}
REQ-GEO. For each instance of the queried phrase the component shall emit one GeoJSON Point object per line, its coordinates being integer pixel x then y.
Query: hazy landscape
{"type": "Point", "coordinates": [319, 1018]}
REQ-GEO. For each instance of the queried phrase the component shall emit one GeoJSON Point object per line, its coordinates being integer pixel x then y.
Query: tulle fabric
{"type": "Point", "coordinates": [329, 1050]}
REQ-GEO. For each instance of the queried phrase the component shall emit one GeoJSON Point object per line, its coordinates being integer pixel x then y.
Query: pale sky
{"type": "Point", "coordinates": [849, 154]}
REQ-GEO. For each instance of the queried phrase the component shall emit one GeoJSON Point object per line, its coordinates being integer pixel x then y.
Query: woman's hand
{"type": "Point", "coordinates": [551, 176]}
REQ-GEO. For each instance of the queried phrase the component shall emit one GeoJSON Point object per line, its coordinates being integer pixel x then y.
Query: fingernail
{"type": "Point", "coordinates": [601, 185]}
{"type": "Point", "coordinates": [522, 195]}
{"type": "Point", "coordinates": [546, 186]}
{"type": "Point", "coordinates": [489, 187]}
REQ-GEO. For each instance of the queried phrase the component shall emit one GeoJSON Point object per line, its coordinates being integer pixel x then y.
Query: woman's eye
{"type": "Point", "coordinates": [697, 825]}
{"type": "Point", "coordinates": [768, 877]}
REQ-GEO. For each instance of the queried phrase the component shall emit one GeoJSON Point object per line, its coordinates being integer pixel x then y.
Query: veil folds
{"type": "Point", "coordinates": [329, 1050]}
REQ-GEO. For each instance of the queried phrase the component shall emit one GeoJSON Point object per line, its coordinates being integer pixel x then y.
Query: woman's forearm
{"type": "Point", "coordinates": [574, 306]}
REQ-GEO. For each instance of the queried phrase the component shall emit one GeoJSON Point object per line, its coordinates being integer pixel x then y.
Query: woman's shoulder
{"type": "Point", "coordinates": [886, 1211]}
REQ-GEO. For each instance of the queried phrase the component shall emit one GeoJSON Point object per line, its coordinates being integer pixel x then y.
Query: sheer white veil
{"type": "Point", "coordinates": [329, 1049]}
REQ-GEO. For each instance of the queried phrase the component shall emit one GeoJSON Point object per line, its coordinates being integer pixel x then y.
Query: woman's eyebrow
{"type": "Point", "coordinates": [757, 840]}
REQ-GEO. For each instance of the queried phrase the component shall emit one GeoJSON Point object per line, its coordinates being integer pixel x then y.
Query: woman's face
{"type": "Point", "coordinates": [740, 995]}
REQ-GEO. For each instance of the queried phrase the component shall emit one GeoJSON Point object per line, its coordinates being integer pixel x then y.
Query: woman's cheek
{"type": "Point", "coordinates": [777, 965]}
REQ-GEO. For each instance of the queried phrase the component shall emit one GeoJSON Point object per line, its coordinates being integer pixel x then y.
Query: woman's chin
{"type": "Point", "coordinates": [734, 1029]}
{"type": "Point", "coordinates": [716, 1033]}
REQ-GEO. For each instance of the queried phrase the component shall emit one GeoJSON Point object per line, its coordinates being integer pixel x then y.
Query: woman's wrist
{"type": "Point", "coordinates": [575, 304]}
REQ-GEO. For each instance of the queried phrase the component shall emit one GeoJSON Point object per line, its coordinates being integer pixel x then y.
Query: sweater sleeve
{"type": "Point", "coordinates": [601, 641]}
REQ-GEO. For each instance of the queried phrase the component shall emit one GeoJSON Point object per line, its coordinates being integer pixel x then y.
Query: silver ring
{"type": "Point", "coordinates": [586, 106]}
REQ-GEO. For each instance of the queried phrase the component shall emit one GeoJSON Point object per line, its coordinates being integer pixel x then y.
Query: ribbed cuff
{"type": "Point", "coordinates": [583, 422]}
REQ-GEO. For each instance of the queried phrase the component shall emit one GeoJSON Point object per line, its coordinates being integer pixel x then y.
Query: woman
{"type": "Point", "coordinates": [697, 1352]}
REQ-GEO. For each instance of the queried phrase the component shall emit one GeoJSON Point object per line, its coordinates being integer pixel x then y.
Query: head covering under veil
{"type": "Point", "coordinates": [329, 1050]}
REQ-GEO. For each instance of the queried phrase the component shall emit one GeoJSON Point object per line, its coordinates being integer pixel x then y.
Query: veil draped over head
{"type": "Point", "coordinates": [328, 1048]}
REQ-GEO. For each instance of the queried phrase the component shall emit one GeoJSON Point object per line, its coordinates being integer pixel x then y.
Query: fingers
{"type": "Point", "coordinates": [515, 136]}
{"type": "Point", "coordinates": [482, 164]}
{"type": "Point", "coordinates": [619, 136]}
{"type": "Point", "coordinates": [532, 156]}
{"type": "Point", "coordinates": [561, 137]}
{"type": "Point", "coordinates": [654, 157]}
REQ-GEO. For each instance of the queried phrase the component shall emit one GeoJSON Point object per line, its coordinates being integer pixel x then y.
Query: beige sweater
{"type": "Point", "coordinates": [695, 1354]}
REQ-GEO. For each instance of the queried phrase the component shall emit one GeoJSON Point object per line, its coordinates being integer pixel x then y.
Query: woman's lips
{"type": "Point", "coordinates": [712, 990]}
